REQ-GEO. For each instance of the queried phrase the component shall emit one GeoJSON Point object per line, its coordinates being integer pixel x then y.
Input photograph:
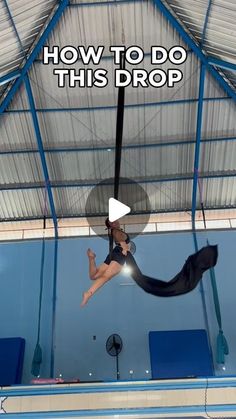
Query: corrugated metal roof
{"type": "Point", "coordinates": [218, 17]}
{"type": "Point", "coordinates": [159, 124]}
{"type": "Point", "coordinates": [17, 132]}
{"type": "Point", "coordinates": [22, 204]}
{"type": "Point", "coordinates": [21, 168]}
{"type": "Point", "coordinates": [130, 23]}
{"type": "Point", "coordinates": [171, 195]}
{"type": "Point", "coordinates": [216, 191]}
{"type": "Point", "coordinates": [27, 19]}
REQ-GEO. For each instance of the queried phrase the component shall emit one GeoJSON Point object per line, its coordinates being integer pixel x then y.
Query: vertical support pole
{"type": "Point", "coordinates": [41, 150]}
{"type": "Point", "coordinates": [52, 207]}
{"type": "Point", "coordinates": [198, 141]}
{"type": "Point", "coordinates": [195, 184]}
{"type": "Point", "coordinates": [54, 299]}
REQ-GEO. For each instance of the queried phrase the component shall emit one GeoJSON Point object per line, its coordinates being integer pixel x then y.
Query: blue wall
{"type": "Point", "coordinates": [19, 282]}
{"type": "Point", "coordinates": [120, 307]}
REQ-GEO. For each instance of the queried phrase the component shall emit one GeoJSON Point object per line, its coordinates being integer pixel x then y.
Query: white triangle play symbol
{"type": "Point", "coordinates": [117, 209]}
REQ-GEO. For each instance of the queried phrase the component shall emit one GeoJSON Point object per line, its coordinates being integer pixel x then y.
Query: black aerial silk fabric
{"type": "Point", "coordinates": [185, 281]}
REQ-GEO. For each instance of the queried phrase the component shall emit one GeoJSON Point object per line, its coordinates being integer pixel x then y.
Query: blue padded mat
{"type": "Point", "coordinates": [180, 354]}
{"type": "Point", "coordinates": [11, 360]}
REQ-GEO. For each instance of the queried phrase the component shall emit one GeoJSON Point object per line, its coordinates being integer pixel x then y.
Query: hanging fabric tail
{"type": "Point", "coordinates": [119, 137]}
{"type": "Point", "coordinates": [37, 357]}
{"type": "Point", "coordinates": [222, 345]}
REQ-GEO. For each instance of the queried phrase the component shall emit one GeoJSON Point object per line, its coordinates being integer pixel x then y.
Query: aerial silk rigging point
{"type": "Point", "coordinates": [185, 281]}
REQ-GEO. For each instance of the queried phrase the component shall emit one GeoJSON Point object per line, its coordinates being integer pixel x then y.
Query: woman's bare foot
{"type": "Point", "coordinates": [86, 297]}
{"type": "Point", "coordinates": [91, 254]}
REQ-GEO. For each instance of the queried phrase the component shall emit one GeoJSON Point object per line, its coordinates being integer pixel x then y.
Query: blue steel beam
{"type": "Point", "coordinates": [54, 299]}
{"type": "Point", "coordinates": [13, 25]}
{"type": "Point", "coordinates": [191, 43]}
{"type": "Point", "coordinates": [198, 141]}
{"type": "Point", "coordinates": [104, 3]}
{"type": "Point", "coordinates": [222, 63]}
{"type": "Point", "coordinates": [92, 183]}
{"type": "Point", "coordinates": [205, 23]}
{"type": "Point", "coordinates": [161, 211]}
{"type": "Point", "coordinates": [41, 151]}
{"type": "Point", "coordinates": [108, 148]}
{"type": "Point", "coordinates": [9, 77]}
{"type": "Point", "coordinates": [105, 57]}
{"type": "Point", "coordinates": [128, 106]}
{"type": "Point", "coordinates": [33, 55]}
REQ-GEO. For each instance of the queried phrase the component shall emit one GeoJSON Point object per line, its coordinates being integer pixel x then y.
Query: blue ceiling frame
{"type": "Point", "coordinates": [128, 106]}
{"type": "Point", "coordinates": [108, 148]}
{"type": "Point", "coordinates": [9, 77]}
{"type": "Point", "coordinates": [16, 84]}
{"type": "Point", "coordinates": [105, 3]}
{"type": "Point", "coordinates": [198, 141]}
{"type": "Point", "coordinates": [197, 146]}
{"type": "Point", "coordinates": [191, 44]}
{"type": "Point", "coordinates": [221, 63]}
{"type": "Point", "coordinates": [92, 183]}
{"type": "Point", "coordinates": [206, 23]}
{"type": "Point", "coordinates": [161, 211]}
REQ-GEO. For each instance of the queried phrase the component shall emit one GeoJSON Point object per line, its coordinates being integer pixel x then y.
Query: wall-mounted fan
{"type": "Point", "coordinates": [114, 346]}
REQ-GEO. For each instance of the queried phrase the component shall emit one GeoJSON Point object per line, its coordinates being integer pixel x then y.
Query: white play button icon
{"type": "Point", "coordinates": [117, 209]}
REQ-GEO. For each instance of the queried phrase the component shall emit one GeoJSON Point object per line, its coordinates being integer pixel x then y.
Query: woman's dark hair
{"type": "Point", "coordinates": [110, 237]}
{"type": "Point", "coordinates": [107, 223]}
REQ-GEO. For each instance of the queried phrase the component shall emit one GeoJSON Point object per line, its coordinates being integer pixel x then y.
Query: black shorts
{"type": "Point", "coordinates": [116, 255]}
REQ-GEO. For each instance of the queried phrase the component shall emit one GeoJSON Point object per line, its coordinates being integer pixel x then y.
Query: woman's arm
{"type": "Point", "coordinates": [125, 247]}
{"type": "Point", "coordinates": [119, 235]}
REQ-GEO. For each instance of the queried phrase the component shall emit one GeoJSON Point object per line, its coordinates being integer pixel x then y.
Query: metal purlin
{"type": "Point", "coordinates": [114, 107]}
{"type": "Point", "coordinates": [9, 77]}
{"type": "Point", "coordinates": [77, 149]}
{"type": "Point", "coordinates": [206, 23]}
{"type": "Point", "coordinates": [222, 63]}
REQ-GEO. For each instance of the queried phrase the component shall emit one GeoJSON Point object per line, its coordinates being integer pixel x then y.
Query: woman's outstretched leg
{"type": "Point", "coordinates": [92, 263]}
{"type": "Point", "coordinates": [113, 269]}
